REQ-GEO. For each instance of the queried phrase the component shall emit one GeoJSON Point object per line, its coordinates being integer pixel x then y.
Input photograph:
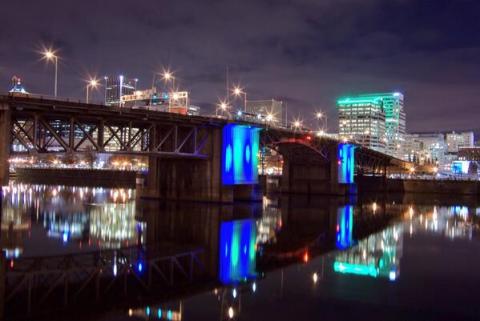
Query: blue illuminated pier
{"type": "Point", "coordinates": [346, 163]}
{"type": "Point", "coordinates": [240, 147]}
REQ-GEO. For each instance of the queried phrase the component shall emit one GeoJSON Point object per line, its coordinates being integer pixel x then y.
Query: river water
{"type": "Point", "coordinates": [78, 253]}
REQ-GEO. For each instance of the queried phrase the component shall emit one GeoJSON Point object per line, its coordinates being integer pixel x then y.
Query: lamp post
{"type": "Point", "coordinates": [319, 115]}
{"type": "Point", "coordinates": [168, 76]}
{"type": "Point", "coordinates": [237, 91]}
{"type": "Point", "coordinates": [222, 106]}
{"type": "Point", "coordinates": [296, 124]}
{"type": "Point", "coordinates": [106, 86]}
{"type": "Point", "coordinates": [50, 55]}
{"type": "Point", "coordinates": [92, 83]}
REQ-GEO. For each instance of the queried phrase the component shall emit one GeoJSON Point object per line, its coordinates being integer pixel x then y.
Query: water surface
{"type": "Point", "coordinates": [97, 254]}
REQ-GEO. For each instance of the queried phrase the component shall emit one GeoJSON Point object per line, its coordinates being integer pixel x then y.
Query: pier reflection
{"type": "Point", "coordinates": [69, 247]}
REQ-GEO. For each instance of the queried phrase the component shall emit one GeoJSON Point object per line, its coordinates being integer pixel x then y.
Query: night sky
{"type": "Point", "coordinates": [305, 52]}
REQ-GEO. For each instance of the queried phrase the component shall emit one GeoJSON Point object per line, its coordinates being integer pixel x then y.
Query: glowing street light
{"type": "Point", "coordinates": [319, 116]}
{"type": "Point", "coordinates": [50, 55]}
{"type": "Point", "coordinates": [168, 76]}
{"type": "Point", "coordinates": [297, 124]}
{"type": "Point", "coordinates": [269, 118]}
{"type": "Point", "coordinates": [238, 91]}
{"type": "Point", "coordinates": [92, 83]}
{"type": "Point", "coordinates": [222, 106]}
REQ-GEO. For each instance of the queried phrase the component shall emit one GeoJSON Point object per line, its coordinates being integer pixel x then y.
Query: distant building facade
{"type": "Point", "coordinates": [455, 140]}
{"type": "Point", "coordinates": [362, 119]}
{"type": "Point", "coordinates": [118, 86]}
{"type": "Point", "coordinates": [425, 148]}
{"type": "Point", "coordinates": [375, 120]}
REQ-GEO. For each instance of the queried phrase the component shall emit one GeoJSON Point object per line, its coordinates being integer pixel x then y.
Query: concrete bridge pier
{"type": "Point", "coordinates": [187, 178]}
{"type": "Point", "coordinates": [312, 174]}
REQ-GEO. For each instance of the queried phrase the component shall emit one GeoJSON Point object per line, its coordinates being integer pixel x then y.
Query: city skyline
{"type": "Point", "coordinates": [307, 60]}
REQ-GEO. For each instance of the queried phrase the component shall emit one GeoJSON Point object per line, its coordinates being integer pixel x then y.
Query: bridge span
{"type": "Point", "coordinates": [189, 157]}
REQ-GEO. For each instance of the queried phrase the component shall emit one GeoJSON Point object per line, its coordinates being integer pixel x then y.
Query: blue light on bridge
{"type": "Point", "coordinates": [346, 163]}
{"type": "Point", "coordinates": [344, 232]}
{"type": "Point", "coordinates": [237, 251]}
{"type": "Point", "coordinates": [240, 154]}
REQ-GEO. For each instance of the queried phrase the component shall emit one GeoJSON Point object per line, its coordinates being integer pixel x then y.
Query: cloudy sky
{"type": "Point", "coordinates": [305, 52]}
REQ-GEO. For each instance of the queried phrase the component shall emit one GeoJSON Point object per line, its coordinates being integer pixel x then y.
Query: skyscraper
{"type": "Point", "coordinates": [362, 119]}
{"type": "Point", "coordinates": [394, 124]}
{"type": "Point", "coordinates": [116, 87]}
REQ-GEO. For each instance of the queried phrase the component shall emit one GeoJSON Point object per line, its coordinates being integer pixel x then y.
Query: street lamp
{"type": "Point", "coordinates": [49, 55]}
{"type": "Point", "coordinates": [319, 115]}
{"type": "Point", "coordinates": [237, 91]}
{"type": "Point", "coordinates": [297, 124]}
{"type": "Point", "coordinates": [167, 76]}
{"type": "Point", "coordinates": [223, 106]}
{"type": "Point", "coordinates": [106, 86]}
{"type": "Point", "coordinates": [269, 117]}
{"type": "Point", "coordinates": [92, 83]}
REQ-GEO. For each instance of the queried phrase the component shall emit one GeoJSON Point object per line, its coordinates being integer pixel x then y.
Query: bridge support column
{"type": "Point", "coordinates": [315, 177]}
{"type": "Point", "coordinates": [5, 134]}
{"type": "Point", "coordinates": [193, 179]}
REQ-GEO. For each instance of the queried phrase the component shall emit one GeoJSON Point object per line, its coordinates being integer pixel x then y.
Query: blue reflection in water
{"type": "Point", "coordinates": [237, 255]}
{"type": "Point", "coordinates": [344, 233]}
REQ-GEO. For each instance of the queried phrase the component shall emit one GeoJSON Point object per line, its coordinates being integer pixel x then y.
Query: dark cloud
{"type": "Point", "coordinates": [305, 52]}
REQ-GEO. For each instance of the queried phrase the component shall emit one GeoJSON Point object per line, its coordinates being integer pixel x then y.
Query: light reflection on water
{"type": "Point", "coordinates": [76, 218]}
{"type": "Point", "coordinates": [252, 254]}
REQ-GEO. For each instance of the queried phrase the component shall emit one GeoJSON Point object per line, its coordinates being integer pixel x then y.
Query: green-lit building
{"type": "Point", "coordinates": [376, 121]}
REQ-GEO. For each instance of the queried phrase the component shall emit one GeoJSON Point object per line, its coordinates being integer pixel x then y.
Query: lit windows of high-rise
{"type": "Point", "coordinates": [376, 121]}
{"type": "Point", "coordinates": [362, 119]}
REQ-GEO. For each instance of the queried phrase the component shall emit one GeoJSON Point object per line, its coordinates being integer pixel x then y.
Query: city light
{"type": "Point", "coordinates": [51, 55]}
{"type": "Point", "coordinates": [91, 84]}
{"type": "Point", "coordinates": [238, 91]}
{"type": "Point", "coordinates": [297, 124]}
{"type": "Point", "coordinates": [231, 313]}
{"type": "Point", "coordinates": [167, 75]}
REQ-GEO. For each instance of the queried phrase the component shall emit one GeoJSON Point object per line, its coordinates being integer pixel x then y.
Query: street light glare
{"type": "Point", "coordinates": [237, 91]}
{"type": "Point", "coordinates": [93, 82]}
{"type": "Point", "coordinates": [319, 115]}
{"type": "Point", "coordinates": [49, 54]}
{"type": "Point", "coordinates": [223, 105]}
{"type": "Point", "coordinates": [167, 75]}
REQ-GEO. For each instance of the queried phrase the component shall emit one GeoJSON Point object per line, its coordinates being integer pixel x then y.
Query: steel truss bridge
{"type": "Point", "coordinates": [53, 126]}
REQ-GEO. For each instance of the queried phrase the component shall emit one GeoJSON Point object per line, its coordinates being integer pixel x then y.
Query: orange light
{"type": "Point", "coordinates": [306, 257]}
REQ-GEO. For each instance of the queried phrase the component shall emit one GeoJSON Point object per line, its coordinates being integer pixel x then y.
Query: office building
{"type": "Point", "coordinates": [362, 120]}
{"type": "Point", "coordinates": [455, 141]}
{"type": "Point", "coordinates": [117, 87]}
{"type": "Point", "coordinates": [425, 148]}
{"type": "Point", "coordinates": [395, 121]}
